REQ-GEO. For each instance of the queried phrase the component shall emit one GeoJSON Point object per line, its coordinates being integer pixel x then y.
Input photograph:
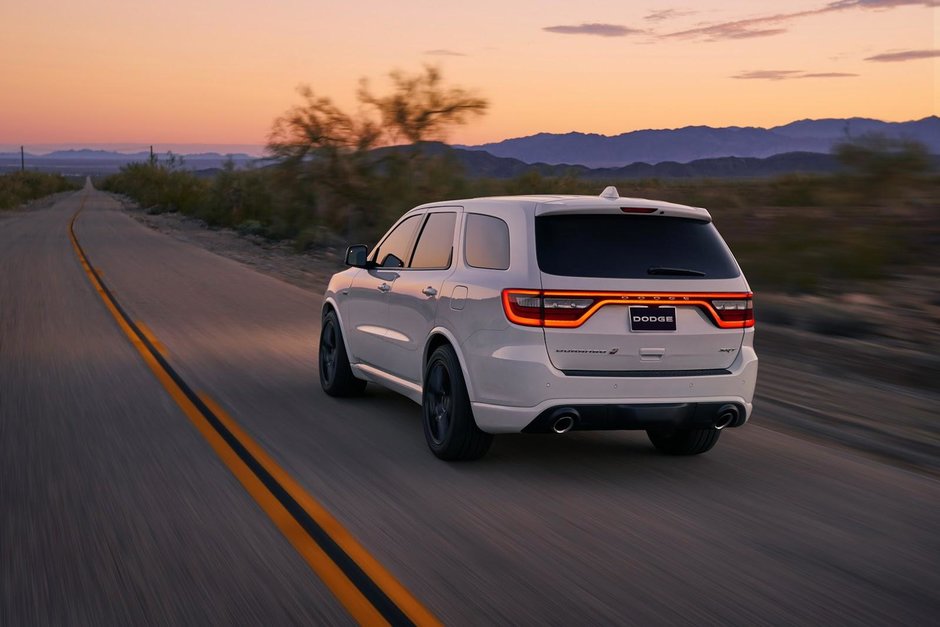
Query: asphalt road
{"type": "Point", "coordinates": [115, 510]}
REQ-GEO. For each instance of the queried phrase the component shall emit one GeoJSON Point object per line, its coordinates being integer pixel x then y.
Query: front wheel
{"type": "Point", "coordinates": [449, 428]}
{"type": "Point", "coordinates": [336, 377]}
{"type": "Point", "coordinates": [684, 441]}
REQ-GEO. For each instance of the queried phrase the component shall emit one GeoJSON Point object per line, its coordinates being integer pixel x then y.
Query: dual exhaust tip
{"type": "Point", "coordinates": [565, 418]}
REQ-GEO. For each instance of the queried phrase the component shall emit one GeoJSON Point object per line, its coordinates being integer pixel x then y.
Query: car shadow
{"type": "Point", "coordinates": [567, 457]}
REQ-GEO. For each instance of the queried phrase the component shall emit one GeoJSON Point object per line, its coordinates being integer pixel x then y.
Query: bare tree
{"type": "Point", "coordinates": [336, 152]}
{"type": "Point", "coordinates": [420, 108]}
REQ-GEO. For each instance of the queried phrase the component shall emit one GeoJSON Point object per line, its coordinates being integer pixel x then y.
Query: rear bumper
{"type": "Point", "coordinates": [638, 416]}
{"type": "Point", "coordinates": [609, 401]}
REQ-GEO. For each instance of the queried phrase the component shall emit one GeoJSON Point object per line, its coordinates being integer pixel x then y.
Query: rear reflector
{"type": "Point", "coordinates": [566, 309]}
{"type": "Point", "coordinates": [567, 303]}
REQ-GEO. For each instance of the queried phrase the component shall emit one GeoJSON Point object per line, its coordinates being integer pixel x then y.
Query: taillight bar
{"type": "Point", "coordinates": [570, 309]}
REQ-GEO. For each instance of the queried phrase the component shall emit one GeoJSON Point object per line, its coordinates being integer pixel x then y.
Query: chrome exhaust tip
{"type": "Point", "coordinates": [563, 424]}
{"type": "Point", "coordinates": [726, 415]}
{"type": "Point", "coordinates": [563, 419]}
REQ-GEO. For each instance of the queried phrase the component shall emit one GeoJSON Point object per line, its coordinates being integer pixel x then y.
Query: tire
{"type": "Point", "coordinates": [449, 428]}
{"type": "Point", "coordinates": [336, 377]}
{"type": "Point", "coordinates": [684, 441]}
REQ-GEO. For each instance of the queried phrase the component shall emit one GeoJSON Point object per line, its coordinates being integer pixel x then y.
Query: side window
{"type": "Point", "coordinates": [398, 243]}
{"type": "Point", "coordinates": [486, 242]}
{"type": "Point", "coordinates": [436, 242]}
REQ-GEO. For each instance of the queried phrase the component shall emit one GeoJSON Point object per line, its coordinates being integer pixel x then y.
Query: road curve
{"type": "Point", "coordinates": [117, 511]}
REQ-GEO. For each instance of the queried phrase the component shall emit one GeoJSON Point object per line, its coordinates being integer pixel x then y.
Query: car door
{"type": "Point", "coordinates": [365, 306]}
{"type": "Point", "coordinates": [415, 294]}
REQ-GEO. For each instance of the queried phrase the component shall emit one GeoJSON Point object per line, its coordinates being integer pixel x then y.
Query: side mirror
{"type": "Point", "coordinates": [356, 255]}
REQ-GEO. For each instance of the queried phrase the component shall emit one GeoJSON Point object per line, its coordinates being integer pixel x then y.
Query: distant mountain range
{"type": "Point", "coordinates": [683, 145]}
{"type": "Point", "coordinates": [479, 164]}
{"type": "Point", "coordinates": [694, 151]}
{"type": "Point", "coordinates": [86, 161]}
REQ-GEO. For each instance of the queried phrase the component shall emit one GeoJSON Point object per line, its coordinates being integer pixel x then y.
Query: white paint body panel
{"type": "Point", "coordinates": [510, 374]}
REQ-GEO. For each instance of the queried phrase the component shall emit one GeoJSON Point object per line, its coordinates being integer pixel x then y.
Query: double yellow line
{"type": "Point", "coordinates": [366, 589]}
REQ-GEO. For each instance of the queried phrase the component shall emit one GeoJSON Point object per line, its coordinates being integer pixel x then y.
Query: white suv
{"type": "Point", "coordinates": [543, 314]}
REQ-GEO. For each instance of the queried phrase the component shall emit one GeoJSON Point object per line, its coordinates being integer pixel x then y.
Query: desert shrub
{"type": "Point", "coordinates": [160, 187]}
{"type": "Point", "coordinates": [881, 166]}
{"type": "Point", "coordinates": [307, 239]}
{"type": "Point", "coordinates": [838, 322]}
{"type": "Point", "coordinates": [251, 227]}
{"type": "Point", "coordinates": [775, 312]}
{"type": "Point", "coordinates": [808, 250]}
{"type": "Point", "coordinates": [19, 187]}
{"type": "Point", "coordinates": [794, 191]}
{"type": "Point", "coordinates": [318, 237]}
{"type": "Point", "coordinates": [236, 197]}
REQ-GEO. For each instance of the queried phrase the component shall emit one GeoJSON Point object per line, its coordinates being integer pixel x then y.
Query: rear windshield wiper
{"type": "Point", "coordinates": [674, 271]}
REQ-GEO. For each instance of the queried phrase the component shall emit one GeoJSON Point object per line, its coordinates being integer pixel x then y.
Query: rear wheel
{"type": "Point", "coordinates": [336, 377]}
{"type": "Point", "coordinates": [449, 428]}
{"type": "Point", "coordinates": [684, 441]}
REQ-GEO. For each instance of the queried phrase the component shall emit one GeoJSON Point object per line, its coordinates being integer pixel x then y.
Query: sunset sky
{"type": "Point", "coordinates": [218, 72]}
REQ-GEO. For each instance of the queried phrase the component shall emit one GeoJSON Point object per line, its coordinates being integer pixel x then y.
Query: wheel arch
{"type": "Point", "coordinates": [329, 304]}
{"type": "Point", "coordinates": [440, 336]}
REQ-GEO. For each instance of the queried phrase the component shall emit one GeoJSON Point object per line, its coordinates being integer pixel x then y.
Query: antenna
{"type": "Point", "coordinates": [610, 193]}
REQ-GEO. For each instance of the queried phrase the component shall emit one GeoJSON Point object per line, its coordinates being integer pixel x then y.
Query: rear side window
{"type": "Point", "coordinates": [436, 242]}
{"type": "Point", "coordinates": [631, 247]}
{"type": "Point", "coordinates": [398, 243]}
{"type": "Point", "coordinates": [486, 242]}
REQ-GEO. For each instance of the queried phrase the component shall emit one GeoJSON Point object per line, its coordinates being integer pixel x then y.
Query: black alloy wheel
{"type": "Point", "coordinates": [439, 402]}
{"type": "Point", "coordinates": [328, 352]}
{"type": "Point", "coordinates": [336, 377]}
{"type": "Point", "coordinates": [449, 428]}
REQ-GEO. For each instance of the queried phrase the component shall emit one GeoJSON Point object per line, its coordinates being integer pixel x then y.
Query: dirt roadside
{"type": "Point", "coordinates": [39, 203]}
{"type": "Point", "coordinates": [879, 396]}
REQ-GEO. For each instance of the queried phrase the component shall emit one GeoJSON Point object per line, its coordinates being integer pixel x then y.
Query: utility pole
{"type": "Point", "coordinates": [151, 154]}
{"type": "Point", "coordinates": [22, 160]}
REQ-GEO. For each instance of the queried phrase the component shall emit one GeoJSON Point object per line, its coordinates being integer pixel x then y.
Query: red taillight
{"type": "Point", "coordinates": [638, 209]}
{"type": "Point", "coordinates": [735, 310]}
{"type": "Point", "coordinates": [569, 309]}
{"type": "Point", "coordinates": [534, 309]}
{"type": "Point", "coordinates": [523, 307]}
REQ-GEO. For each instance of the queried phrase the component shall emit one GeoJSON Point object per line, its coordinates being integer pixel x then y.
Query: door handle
{"type": "Point", "coordinates": [385, 287]}
{"type": "Point", "coordinates": [429, 291]}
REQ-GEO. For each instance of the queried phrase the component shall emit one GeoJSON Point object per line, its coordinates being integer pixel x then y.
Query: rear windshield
{"type": "Point", "coordinates": [631, 247]}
